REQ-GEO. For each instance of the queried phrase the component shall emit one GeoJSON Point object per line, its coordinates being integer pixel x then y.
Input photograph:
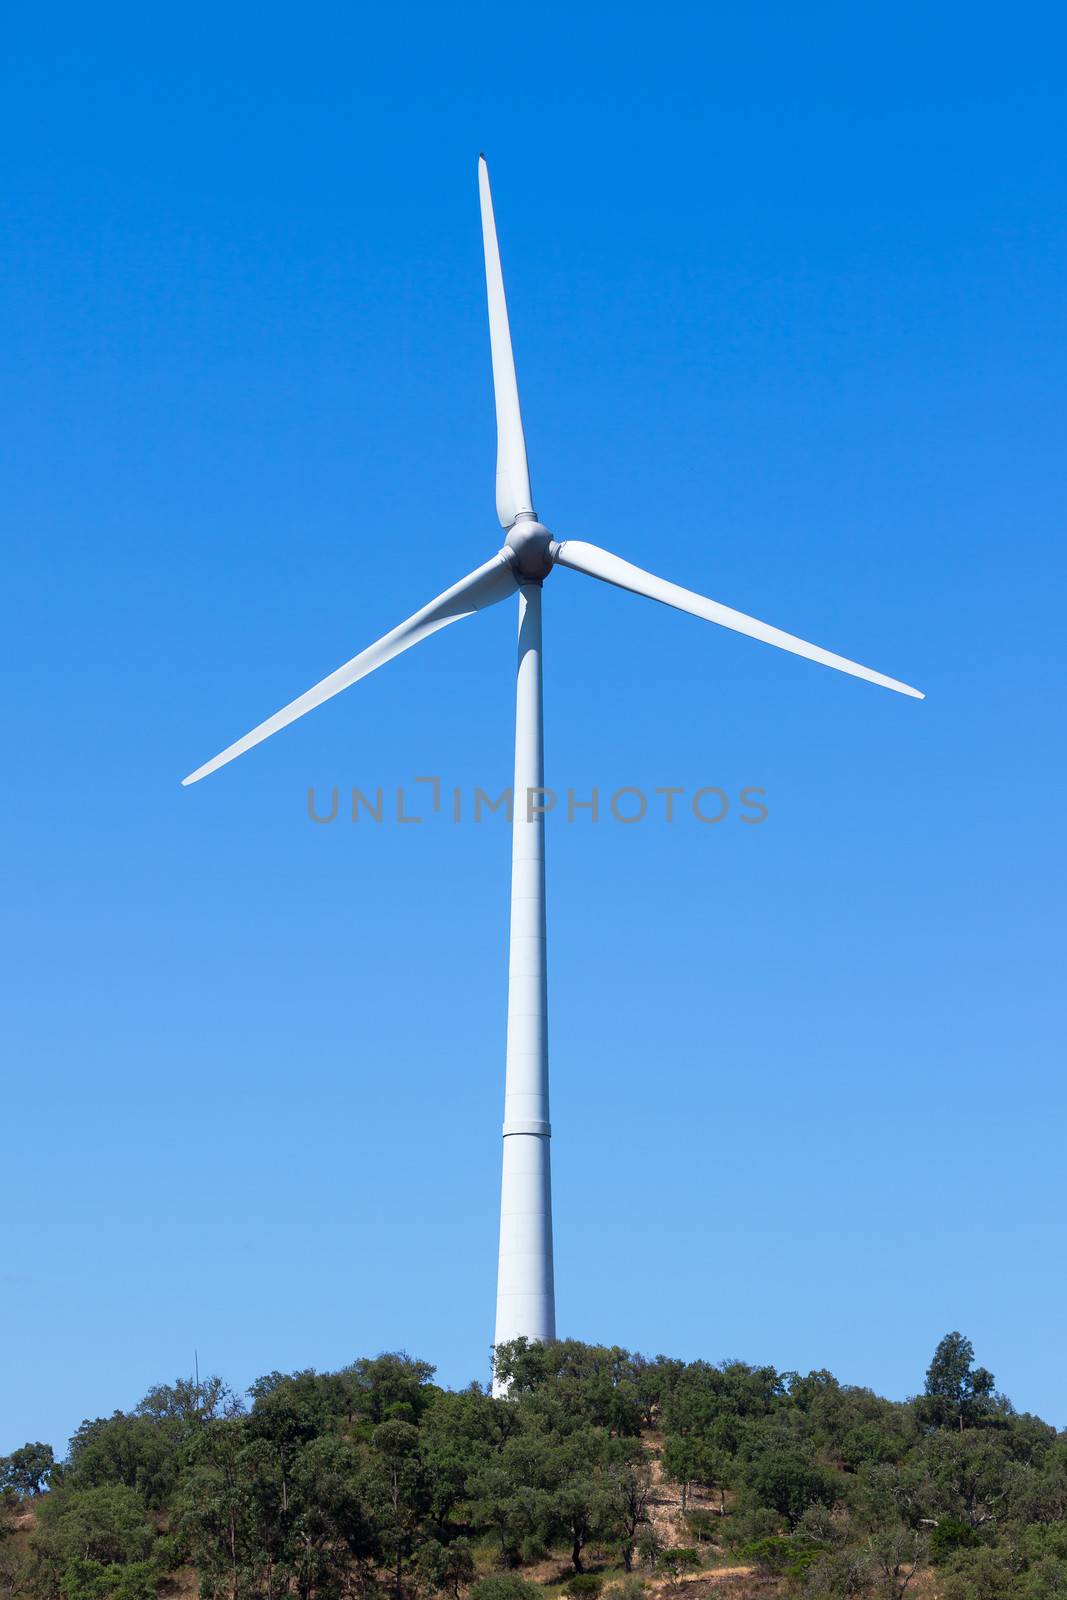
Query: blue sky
{"type": "Point", "coordinates": [786, 289]}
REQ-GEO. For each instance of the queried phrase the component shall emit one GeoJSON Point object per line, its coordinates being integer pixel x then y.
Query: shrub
{"type": "Point", "coordinates": [786, 1482]}
{"type": "Point", "coordinates": [746, 1526]}
{"type": "Point", "coordinates": [771, 1555]}
{"type": "Point", "coordinates": [844, 1572]}
{"type": "Point", "coordinates": [631, 1587]}
{"type": "Point", "coordinates": [980, 1575]}
{"type": "Point", "coordinates": [585, 1586]}
{"type": "Point", "coordinates": [950, 1536]}
{"type": "Point", "coordinates": [781, 1557]}
{"type": "Point", "coordinates": [649, 1545]}
{"type": "Point", "coordinates": [446, 1568]}
{"type": "Point", "coordinates": [1047, 1580]}
{"type": "Point", "coordinates": [92, 1580]}
{"type": "Point", "coordinates": [504, 1586]}
{"type": "Point", "coordinates": [1046, 1539]}
{"type": "Point", "coordinates": [679, 1560]}
{"type": "Point", "coordinates": [108, 1526]}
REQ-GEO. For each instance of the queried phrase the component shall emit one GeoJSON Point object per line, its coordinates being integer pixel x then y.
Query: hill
{"type": "Point", "coordinates": [602, 1474]}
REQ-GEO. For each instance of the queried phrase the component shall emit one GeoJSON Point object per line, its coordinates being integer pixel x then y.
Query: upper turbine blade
{"type": "Point", "coordinates": [597, 563]}
{"type": "Point", "coordinates": [484, 587]}
{"type": "Point", "coordinates": [512, 472]}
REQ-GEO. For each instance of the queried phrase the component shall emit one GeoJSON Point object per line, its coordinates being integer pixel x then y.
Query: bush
{"type": "Point", "coordinates": [845, 1572]}
{"type": "Point", "coordinates": [679, 1560]}
{"type": "Point", "coordinates": [649, 1545]}
{"type": "Point", "coordinates": [446, 1568]}
{"type": "Point", "coordinates": [1046, 1539]}
{"type": "Point", "coordinates": [786, 1482]}
{"type": "Point", "coordinates": [1046, 1581]}
{"type": "Point", "coordinates": [980, 1575]}
{"type": "Point", "coordinates": [705, 1526]}
{"type": "Point", "coordinates": [108, 1526]}
{"type": "Point", "coordinates": [771, 1555]}
{"type": "Point", "coordinates": [746, 1526]}
{"type": "Point", "coordinates": [950, 1536]}
{"type": "Point", "coordinates": [585, 1586]}
{"type": "Point", "coordinates": [784, 1557]}
{"type": "Point", "coordinates": [817, 1526]}
{"type": "Point", "coordinates": [91, 1580]}
{"type": "Point", "coordinates": [504, 1586]}
{"type": "Point", "coordinates": [631, 1587]}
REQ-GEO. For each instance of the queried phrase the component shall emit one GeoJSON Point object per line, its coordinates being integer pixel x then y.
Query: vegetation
{"type": "Point", "coordinates": [602, 1476]}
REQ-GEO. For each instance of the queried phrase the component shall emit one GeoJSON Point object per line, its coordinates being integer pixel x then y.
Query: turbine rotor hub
{"type": "Point", "coordinates": [528, 548]}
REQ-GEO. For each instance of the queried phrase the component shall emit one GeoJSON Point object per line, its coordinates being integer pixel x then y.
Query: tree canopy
{"type": "Point", "coordinates": [600, 1469]}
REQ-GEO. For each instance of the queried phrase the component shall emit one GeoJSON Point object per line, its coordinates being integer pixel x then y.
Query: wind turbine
{"type": "Point", "coordinates": [525, 1290]}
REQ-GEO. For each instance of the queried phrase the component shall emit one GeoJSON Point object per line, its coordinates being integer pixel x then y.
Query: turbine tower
{"type": "Point", "coordinates": [525, 1290]}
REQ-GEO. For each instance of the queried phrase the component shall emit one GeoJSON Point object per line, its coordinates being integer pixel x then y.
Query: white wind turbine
{"type": "Point", "coordinates": [525, 1292]}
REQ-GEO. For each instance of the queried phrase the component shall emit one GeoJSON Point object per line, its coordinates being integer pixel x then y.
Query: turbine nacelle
{"type": "Point", "coordinates": [529, 551]}
{"type": "Point", "coordinates": [529, 548]}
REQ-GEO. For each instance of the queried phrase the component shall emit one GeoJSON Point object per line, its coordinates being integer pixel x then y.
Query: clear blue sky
{"type": "Point", "coordinates": [787, 293]}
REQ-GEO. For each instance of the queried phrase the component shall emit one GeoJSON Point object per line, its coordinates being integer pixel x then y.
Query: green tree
{"type": "Point", "coordinates": [125, 1449]}
{"type": "Point", "coordinates": [82, 1534]}
{"type": "Point", "coordinates": [445, 1568]}
{"type": "Point", "coordinates": [395, 1486]}
{"type": "Point", "coordinates": [393, 1386]}
{"type": "Point", "coordinates": [212, 1512]}
{"type": "Point", "coordinates": [784, 1480]}
{"type": "Point", "coordinates": [330, 1527]}
{"type": "Point", "coordinates": [585, 1503]}
{"type": "Point", "coordinates": [896, 1555]}
{"type": "Point", "coordinates": [678, 1560]}
{"type": "Point", "coordinates": [569, 1385]}
{"type": "Point", "coordinates": [629, 1479]}
{"type": "Point", "coordinates": [982, 1574]}
{"type": "Point", "coordinates": [966, 1475]}
{"type": "Point", "coordinates": [28, 1469]}
{"type": "Point", "coordinates": [695, 1458]}
{"type": "Point", "coordinates": [957, 1391]}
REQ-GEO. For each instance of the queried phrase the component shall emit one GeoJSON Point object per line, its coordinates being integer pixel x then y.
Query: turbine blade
{"type": "Point", "coordinates": [512, 472]}
{"type": "Point", "coordinates": [484, 587]}
{"type": "Point", "coordinates": [597, 563]}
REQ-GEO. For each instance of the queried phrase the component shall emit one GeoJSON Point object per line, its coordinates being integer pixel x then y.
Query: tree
{"type": "Point", "coordinates": [896, 1555]}
{"type": "Point", "coordinates": [630, 1480]}
{"type": "Point", "coordinates": [395, 1488]}
{"type": "Point", "coordinates": [84, 1535]}
{"type": "Point", "coordinates": [967, 1475]}
{"type": "Point", "coordinates": [956, 1390]}
{"type": "Point", "coordinates": [572, 1385]}
{"type": "Point", "coordinates": [28, 1469]}
{"type": "Point", "coordinates": [212, 1510]}
{"type": "Point", "coordinates": [788, 1483]}
{"type": "Point", "coordinates": [393, 1386]}
{"type": "Point", "coordinates": [445, 1568]}
{"type": "Point", "coordinates": [693, 1458]}
{"type": "Point", "coordinates": [138, 1451]}
{"type": "Point", "coordinates": [649, 1545]}
{"type": "Point", "coordinates": [585, 1503]}
{"type": "Point", "coordinates": [678, 1560]}
{"type": "Point", "coordinates": [330, 1526]}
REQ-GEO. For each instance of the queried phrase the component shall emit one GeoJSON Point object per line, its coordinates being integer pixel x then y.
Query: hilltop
{"type": "Point", "coordinates": [602, 1474]}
